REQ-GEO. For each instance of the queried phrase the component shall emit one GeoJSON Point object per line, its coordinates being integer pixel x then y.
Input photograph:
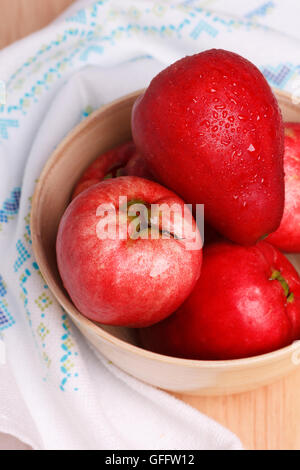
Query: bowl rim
{"type": "Point", "coordinates": [79, 318]}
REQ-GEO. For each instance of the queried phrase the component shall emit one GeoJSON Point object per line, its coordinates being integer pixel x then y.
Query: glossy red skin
{"type": "Point", "coordinates": [137, 166]}
{"type": "Point", "coordinates": [235, 310]}
{"type": "Point", "coordinates": [124, 158]}
{"type": "Point", "coordinates": [131, 283]}
{"type": "Point", "coordinates": [287, 237]}
{"type": "Point", "coordinates": [211, 130]}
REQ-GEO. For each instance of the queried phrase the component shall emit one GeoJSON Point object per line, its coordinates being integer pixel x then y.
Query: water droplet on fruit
{"type": "Point", "coordinates": [251, 148]}
{"type": "Point", "coordinates": [262, 180]}
{"type": "Point", "coordinates": [244, 203]}
{"type": "Point", "coordinates": [241, 117]}
{"type": "Point", "coordinates": [213, 90]}
{"type": "Point", "coordinates": [233, 101]}
{"type": "Point", "coordinates": [235, 197]}
{"type": "Point", "coordinates": [220, 106]}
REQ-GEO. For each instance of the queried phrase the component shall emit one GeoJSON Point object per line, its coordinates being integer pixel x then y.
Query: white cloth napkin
{"type": "Point", "coordinates": [55, 393]}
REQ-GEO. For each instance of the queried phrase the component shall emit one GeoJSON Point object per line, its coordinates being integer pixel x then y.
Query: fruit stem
{"type": "Point", "coordinates": [114, 172]}
{"type": "Point", "coordinates": [277, 276]}
{"type": "Point", "coordinates": [146, 224]}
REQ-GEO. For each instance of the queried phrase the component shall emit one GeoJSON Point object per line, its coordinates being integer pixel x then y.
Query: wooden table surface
{"type": "Point", "coordinates": [22, 17]}
{"type": "Point", "coordinates": [268, 418]}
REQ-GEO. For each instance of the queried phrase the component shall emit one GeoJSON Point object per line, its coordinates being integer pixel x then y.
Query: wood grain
{"type": "Point", "coordinates": [268, 418]}
{"type": "Point", "coordinates": [265, 419]}
{"type": "Point", "coordinates": [21, 17]}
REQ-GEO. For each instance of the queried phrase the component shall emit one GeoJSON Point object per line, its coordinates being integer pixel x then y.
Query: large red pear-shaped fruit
{"type": "Point", "coordinates": [211, 130]}
{"type": "Point", "coordinates": [287, 237]}
{"type": "Point", "coordinates": [246, 303]}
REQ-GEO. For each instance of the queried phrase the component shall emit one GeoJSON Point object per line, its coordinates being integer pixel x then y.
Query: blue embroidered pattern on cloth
{"type": "Point", "coordinates": [89, 30]}
{"type": "Point", "coordinates": [279, 76]}
{"type": "Point", "coordinates": [6, 319]}
{"type": "Point", "coordinates": [39, 310]}
{"type": "Point", "coordinates": [10, 207]}
{"type": "Point", "coordinates": [5, 124]}
{"type": "Point", "coordinates": [260, 11]}
{"type": "Point", "coordinates": [84, 38]}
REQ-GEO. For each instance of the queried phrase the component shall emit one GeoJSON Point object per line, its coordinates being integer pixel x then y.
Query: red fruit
{"type": "Point", "coordinates": [287, 237]}
{"type": "Point", "coordinates": [246, 303]}
{"type": "Point", "coordinates": [126, 281]}
{"type": "Point", "coordinates": [211, 235]}
{"type": "Point", "coordinates": [137, 166]}
{"type": "Point", "coordinates": [123, 160]}
{"type": "Point", "coordinates": [211, 130]}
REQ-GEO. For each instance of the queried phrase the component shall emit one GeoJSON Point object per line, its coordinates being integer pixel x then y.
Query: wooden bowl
{"type": "Point", "coordinates": [104, 129]}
